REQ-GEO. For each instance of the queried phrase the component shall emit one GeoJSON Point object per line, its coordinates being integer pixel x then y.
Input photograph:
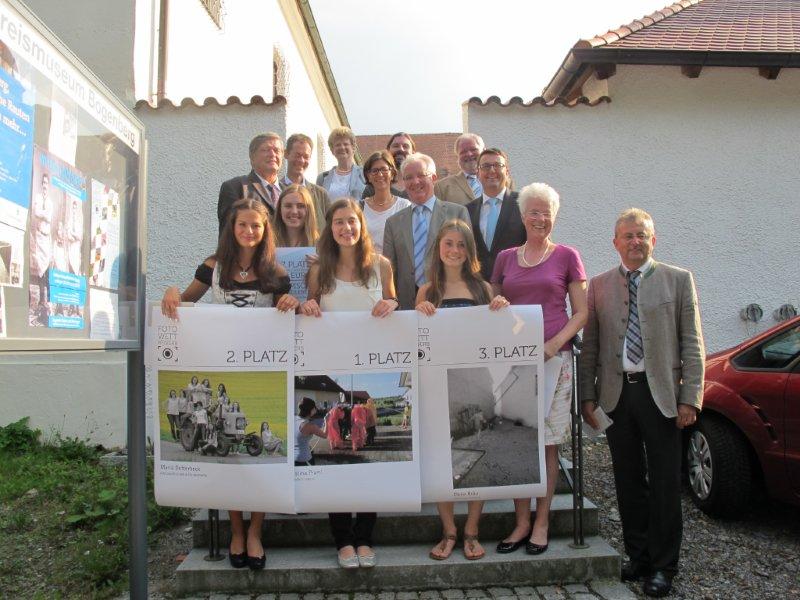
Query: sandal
{"type": "Point", "coordinates": [440, 551]}
{"type": "Point", "coordinates": [471, 544]}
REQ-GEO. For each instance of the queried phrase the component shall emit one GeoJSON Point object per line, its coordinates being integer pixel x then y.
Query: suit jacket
{"type": "Point", "coordinates": [357, 181]}
{"type": "Point", "coordinates": [454, 188]}
{"type": "Point", "coordinates": [398, 245]}
{"type": "Point", "coordinates": [233, 189]}
{"type": "Point", "coordinates": [510, 231]}
{"type": "Point", "coordinates": [321, 202]}
{"type": "Point", "coordinates": [671, 334]}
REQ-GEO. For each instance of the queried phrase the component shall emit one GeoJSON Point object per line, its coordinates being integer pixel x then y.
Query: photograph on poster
{"type": "Point", "coordinates": [11, 255]}
{"type": "Point", "coordinates": [104, 241]}
{"type": "Point", "coordinates": [230, 417]}
{"type": "Point", "coordinates": [493, 425]}
{"type": "Point", "coordinates": [57, 293]}
{"type": "Point", "coordinates": [366, 417]}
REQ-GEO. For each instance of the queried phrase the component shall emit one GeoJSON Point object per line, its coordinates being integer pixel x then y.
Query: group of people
{"type": "Point", "coordinates": [395, 237]}
{"type": "Point", "coordinates": [351, 426]}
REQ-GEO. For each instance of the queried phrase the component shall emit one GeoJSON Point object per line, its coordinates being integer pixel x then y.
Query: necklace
{"type": "Point", "coordinates": [243, 273]}
{"type": "Point", "coordinates": [541, 258]}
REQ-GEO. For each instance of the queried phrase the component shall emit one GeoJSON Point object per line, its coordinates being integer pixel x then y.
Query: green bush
{"type": "Point", "coordinates": [18, 438]}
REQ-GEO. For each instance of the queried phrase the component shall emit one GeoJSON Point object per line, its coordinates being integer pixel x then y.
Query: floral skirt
{"type": "Point", "coordinates": [557, 423]}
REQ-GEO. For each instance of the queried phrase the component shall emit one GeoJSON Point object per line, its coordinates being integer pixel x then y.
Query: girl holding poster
{"type": "Point", "coordinates": [243, 272]}
{"type": "Point", "coordinates": [350, 277]}
{"type": "Point", "coordinates": [295, 220]}
{"type": "Point", "coordinates": [542, 272]}
{"type": "Point", "coordinates": [455, 281]}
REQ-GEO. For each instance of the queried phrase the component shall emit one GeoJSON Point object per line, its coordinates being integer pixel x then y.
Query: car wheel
{"type": "Point", "coordinates": [718, 466]}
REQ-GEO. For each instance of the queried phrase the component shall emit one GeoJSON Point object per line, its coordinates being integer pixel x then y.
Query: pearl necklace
{"type": "Point", "coordinates": [541, 258]}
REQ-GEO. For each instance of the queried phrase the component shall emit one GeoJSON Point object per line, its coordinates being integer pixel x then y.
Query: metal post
{"type": "Point", "coordinates": [213, 536]}
{"type": "Point", "coordinates": [577, 452]}
{"type": "Point", "coordinates": [137, 457]}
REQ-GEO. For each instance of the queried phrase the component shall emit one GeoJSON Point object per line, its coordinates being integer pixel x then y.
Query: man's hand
{"type": "Point", "coordinates": [587, 409]}
{"type": "Point", "coordinates": [687, 415]}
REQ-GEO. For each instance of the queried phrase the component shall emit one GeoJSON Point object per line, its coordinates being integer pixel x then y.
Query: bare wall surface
{"type": "Point", "coordinates": [712, 159]}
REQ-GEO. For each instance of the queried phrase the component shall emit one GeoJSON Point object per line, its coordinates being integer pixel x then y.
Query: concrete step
{"type": "Point", "coordinates": [400, 528]}
{"type": "Point", "coordinates": [401, 567]}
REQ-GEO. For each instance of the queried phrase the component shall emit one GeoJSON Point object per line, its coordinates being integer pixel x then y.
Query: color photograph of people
{"type": "Point", "coordinates": [359, 418]}
{"type": "Point", "coordinates": [222, 417]}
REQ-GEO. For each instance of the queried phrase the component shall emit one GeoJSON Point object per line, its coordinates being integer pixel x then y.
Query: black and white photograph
{"type": "Point", "coordinates": [359, 417]}
{"type": "Point", "coordinates": [11, 255]}
{"type": "Point", "coordinates": [493, 425]}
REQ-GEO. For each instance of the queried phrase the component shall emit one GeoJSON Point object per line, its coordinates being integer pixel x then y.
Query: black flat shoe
{"type": "Point", "coordinates": [632, 571]}
{"type": "Point", "coordinates": [256, 563]}
{"type": "Point", "coordinates": [238, 561]}
{"type": "Point", "coordinates": [657, 585]}
{"type": "Point", "coordinates": [532, 548]}
{"type": "Point", "coordinates": [509, 547]}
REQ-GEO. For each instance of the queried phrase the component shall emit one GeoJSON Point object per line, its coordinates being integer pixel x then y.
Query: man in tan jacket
{"type": "Point", "coordinates": [643, 363]}
{"type": "Point", "coordinates": [463, 187]}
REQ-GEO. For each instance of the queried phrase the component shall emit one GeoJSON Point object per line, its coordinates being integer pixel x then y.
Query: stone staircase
{"type": "Point", "coordinates": [301, 556]}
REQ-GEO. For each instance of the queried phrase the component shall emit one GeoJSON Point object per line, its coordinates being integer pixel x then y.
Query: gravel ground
{"type": "Point", "coordinates": [755, 557]}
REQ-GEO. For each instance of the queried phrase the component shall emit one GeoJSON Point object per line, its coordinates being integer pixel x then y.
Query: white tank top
{"type": "Point", "coordinates": [351, 295]}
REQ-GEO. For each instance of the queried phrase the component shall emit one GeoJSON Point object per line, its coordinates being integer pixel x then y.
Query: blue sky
{"type": "Point", "coordinates": [378, 385]}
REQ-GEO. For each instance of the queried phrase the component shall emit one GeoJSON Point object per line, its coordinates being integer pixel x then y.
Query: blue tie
{"type": "Point", "coordinates": [420, 239]}
{"type": "Point", "coordinates": [477, 188]}
{"type": "Point", "coordinates": [491, 221]}
{"type": "Point", "coordinates": [633, 336]}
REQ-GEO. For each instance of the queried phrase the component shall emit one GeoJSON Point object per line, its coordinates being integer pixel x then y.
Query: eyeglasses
{"type": "Point", "coordinates": [413, 177]}
{"type": "Point", "coordinates": [536, 214]}
{"type": "Point", "coordinates": [486, 167]}
{"type": "Point", "coordinates": [380, 171]}
{"type": "Point", "coordinates": [643, 236]}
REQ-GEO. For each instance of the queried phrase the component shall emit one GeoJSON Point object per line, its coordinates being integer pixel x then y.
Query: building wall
{"type": "Point", "coordinates": [469, 391]}
{"type": "Point", "coordinates": [439, 146]}
{"type": "Point", "coordinates": [514, 395]}
{"type": "Point", "coordinates": [710, 158]}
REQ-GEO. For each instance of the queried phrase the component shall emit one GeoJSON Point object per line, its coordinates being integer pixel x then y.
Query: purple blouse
{"type": "Point", "coordinates": [546, 284]}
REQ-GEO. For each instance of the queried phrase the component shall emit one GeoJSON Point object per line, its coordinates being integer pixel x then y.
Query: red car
{"type": "Point", "coordinates": [748, 432]}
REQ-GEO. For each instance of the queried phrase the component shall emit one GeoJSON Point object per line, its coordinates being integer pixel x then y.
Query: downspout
{"type": "Point", "coordinates": [163, 23]}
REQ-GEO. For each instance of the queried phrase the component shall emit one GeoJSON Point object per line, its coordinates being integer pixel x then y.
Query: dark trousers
{"type": "Point", "coordinates": [349, 532]}
{"type": "Point", "coordinates": [646, 453]}
{"type": "Point", "coordinates": [371, 434]}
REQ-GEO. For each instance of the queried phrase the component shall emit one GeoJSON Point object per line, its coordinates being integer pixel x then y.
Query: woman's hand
{"type": "Point", "coordinates": [287, 302]}
{"type": "Point", "coordinates": [170, 303]}
{"type": "Point", "coordinates": [312, 259]}
{"type": "Point", "coordinates": [310, 308]}
{"type": "Point", "coordinates": [426, 308]}
{"type": "Point", "coordinates": [551, 348]}
{"type": "Point", "coordinates": [383, 308]}
{"type": "Point", "coordinates": [587, 410]}
{"type": "Point", "coordinates": [498, 302]}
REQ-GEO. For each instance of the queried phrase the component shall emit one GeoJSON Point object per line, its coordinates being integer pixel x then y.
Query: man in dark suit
{"type": "Point", "coordinates": [298, 156]}
{"type": "Point", "coordinates": [495, 215]}
{"type": "Point", "coordinates": [643, 363]}
{"type": "Point", "coordinates": [409, 234]}
{"type": "Point", "coordinates": [463, 187]}
{"type": "Point", "coordinates": [266, 157]}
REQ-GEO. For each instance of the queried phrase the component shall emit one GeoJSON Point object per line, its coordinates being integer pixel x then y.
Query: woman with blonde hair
{"type": "Point", "coordinates": [295, 221]}
{"type": "Point", "coordinates": [346, 178]}
{"type": "Point", "coordinates": [455, 281]}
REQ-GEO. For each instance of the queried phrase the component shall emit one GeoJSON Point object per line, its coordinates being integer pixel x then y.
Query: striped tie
{"type": "Point", "coordinates": [420, 239]}
{"type": "Point", "coordinates": [633, 336]}
{"type": "Point", "coordinates": [491, 220]}
{"type": "Point", "coordinates": [477, 188]}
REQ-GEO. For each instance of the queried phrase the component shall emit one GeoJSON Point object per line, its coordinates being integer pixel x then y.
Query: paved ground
{"type": "Point", "coordinates": [392, 444]}
{"type": "Point", "coordinates": [595, 590]}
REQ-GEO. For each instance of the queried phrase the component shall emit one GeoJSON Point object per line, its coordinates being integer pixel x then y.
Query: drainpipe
{"type": "Point", "coordinates": [163, 23]}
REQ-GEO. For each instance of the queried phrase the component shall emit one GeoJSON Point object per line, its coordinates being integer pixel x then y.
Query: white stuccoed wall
{"type": "Point", "coordinates": [712, 159]}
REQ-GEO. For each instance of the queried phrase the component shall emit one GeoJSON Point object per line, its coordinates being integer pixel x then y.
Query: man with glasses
{"type": "Point", "coordinates": [495, 216]}
{"type": "Point", "coordinates": [409, 234]}
{"type": "Point", "coordinates": [298, 156]}
{"type": "Point", "coordinates": [463, 187]}
{"type": "Point", "coordinates": [266, 157]}
{"type": "Point", "coordinates": [643, 363]}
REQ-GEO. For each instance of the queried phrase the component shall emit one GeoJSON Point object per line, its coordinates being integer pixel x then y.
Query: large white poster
{"type": "Point", "coordinates": [222, 387]}
{"type": "Point", "coordinates": [482, 403]}
{"type": "Point", "coordinates": [361, 373]}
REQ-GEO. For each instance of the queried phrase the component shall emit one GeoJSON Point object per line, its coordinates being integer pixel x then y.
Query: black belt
{"type": "Point", "coordinates": [634, 377]}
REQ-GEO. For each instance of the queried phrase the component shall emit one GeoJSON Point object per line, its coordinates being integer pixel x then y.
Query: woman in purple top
{"type": "Point", "coordinates": [541, 272]}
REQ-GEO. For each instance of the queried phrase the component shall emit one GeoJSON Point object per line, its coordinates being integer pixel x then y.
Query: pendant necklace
{"type": "Point", "coordinates": [541, 258]}
{"type": "Point", "coordinates": [243, 273]}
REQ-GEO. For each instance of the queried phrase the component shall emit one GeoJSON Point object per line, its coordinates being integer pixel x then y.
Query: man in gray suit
{"type": "Point", "coordinates": [409, 234]}
{"type": "Point", "coordinates": [463, 187]}
{"type": "Point", "coordinates": [643, 362]}
{"type": "Point", "coordinates": [298, 156]}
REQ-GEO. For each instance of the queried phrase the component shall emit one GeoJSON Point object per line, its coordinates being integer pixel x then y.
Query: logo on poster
{"type": "Point", "coordinates": [423, 344]}
{"type": "Point", "coordinates": [167, 347]}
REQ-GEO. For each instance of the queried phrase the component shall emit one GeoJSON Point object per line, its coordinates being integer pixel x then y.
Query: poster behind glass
{"type": "Point", "coordinates": [69, 191]}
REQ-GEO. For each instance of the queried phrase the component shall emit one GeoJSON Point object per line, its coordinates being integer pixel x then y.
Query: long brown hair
{"type": "Point", "coordinates": [227, 254]}
{"type": "Point", "coordinates": [310, 233]}
{"type": "Point", "coordinates": [470, 269]}
{"type": "Point", "coordinates": [329, 251]}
